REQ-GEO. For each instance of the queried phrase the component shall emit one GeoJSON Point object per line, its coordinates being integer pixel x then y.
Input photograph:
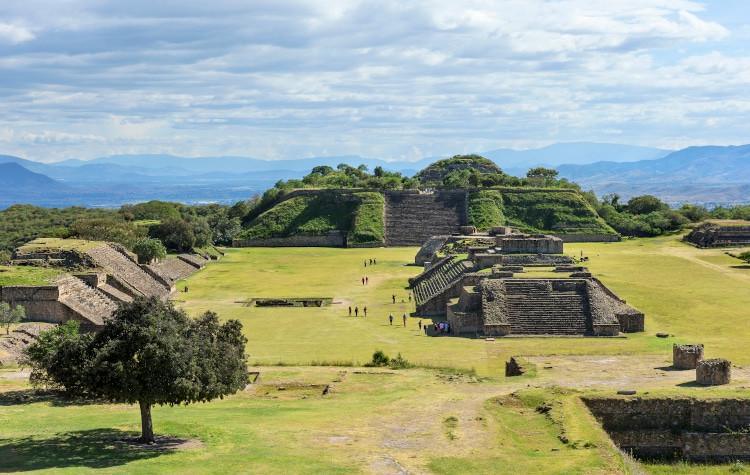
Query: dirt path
{"type": "Point", "coordinates": [688, 253]}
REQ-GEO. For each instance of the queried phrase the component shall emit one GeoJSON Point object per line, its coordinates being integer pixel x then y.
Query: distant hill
{"type": "Point", "coordinates": [710, 174]}
{"type": "Point", "coordinates": [15, 178]}
{"type": "Point", "coordinates": [572, 153]}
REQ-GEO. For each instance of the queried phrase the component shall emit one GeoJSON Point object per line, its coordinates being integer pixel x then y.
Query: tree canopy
{"type": "Point", "coordinates": [148, 353]}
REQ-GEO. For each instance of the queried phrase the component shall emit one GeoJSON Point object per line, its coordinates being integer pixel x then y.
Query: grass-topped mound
{"type": "Point", "coordinates": [360, 215]}
{"type": "Point", "coordinates": [556, 211]}
{"type": "Point", "coordinates": [57, 244]}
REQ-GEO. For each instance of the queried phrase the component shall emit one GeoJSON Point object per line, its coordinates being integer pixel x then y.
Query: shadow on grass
{"type": "Point", "coordinates": [691, 384]}
{"type": "Point", "coordinates": [96, 448]}
{"type": "Point", "coordinates": [741, 266]}
{"type": "Point", "coordinates": [670, 368]}
{"type": "Point", "coordinates": [31, 396]}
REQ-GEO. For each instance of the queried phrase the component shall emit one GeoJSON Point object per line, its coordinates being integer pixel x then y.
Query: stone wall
{"type": "Point", "coordinates": [710, 430]}
{"type": "Point", "coordinates": [581, 237]}
{"type": "Point", "coordinates": [530, 244]}
{"type": "Point", "coordinates": [716, 234]}
{"type": "Point", "coordinates": [713, 372]}
{"type": "Point", "coordinates": [332, 239]}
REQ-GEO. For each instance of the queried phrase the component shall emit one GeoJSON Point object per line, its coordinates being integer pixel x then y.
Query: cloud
{"type": "Point", "coordinates": [289, 78]}
{"type": "Point", "coordinates": [14, 34]}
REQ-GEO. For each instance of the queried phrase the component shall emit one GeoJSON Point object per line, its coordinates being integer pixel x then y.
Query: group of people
{"type": "Point", "coordinates": [371, 262]}
{"type": "Point", "coordinates": [393, 297]}
{"type": "Point", "coordinates": [390, 319]}
{"type": "Point", "coordinates": [356, 311]}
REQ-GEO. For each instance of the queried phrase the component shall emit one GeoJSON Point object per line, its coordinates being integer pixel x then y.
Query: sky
{"type": "Point", "coordinates": [388, 79]}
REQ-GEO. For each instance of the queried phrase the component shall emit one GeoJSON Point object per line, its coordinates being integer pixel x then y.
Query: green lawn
{"type": "Point", "coordinates": [27, 275]}
{"type": "Point", "coordinates": [383, 421]}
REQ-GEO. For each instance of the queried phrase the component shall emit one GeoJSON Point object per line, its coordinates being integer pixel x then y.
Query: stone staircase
{"type": "Point", "coordinates": [541, 307]}
{"type": "Point", "coordinates": [90, 304]}
{"type": "Point", "coordinates": [120, 265]}
{"type": "Point", "coordinates": [412, 218]}
{"type": "Point", "coordinates": [441, 277]}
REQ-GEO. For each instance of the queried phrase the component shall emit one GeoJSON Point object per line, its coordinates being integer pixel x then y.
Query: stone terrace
{"type": "Point", "coordinates": [412, 218]}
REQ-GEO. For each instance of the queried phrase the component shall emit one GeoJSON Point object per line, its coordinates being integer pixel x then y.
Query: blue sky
{"type": "Point", "coordinates": [387, 79]}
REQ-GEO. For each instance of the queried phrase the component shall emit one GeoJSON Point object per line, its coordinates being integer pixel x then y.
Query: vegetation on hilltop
{"type": "Point", "coordinates": [544, 211]}
{"type": "Point", "coordinates": [486, 209]}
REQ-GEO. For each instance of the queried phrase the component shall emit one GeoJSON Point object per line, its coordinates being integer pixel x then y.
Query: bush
{"type": "Point", "coordinates": [745, 256]}
{"type": "Point", "coordinates": [176, 234]}
{"type": "Point", "coordinates": [380, 360]}
{"type": "Point", "coordinates": [108, 229]}
{"type": "Point", "coordinates": [10, 315]}
{"type": "Point", "coordinates": [149, 249]}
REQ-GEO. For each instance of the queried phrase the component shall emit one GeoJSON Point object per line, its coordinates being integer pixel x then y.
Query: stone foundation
{"type": "Point", "coordinates": [713, 430]}
{"type": "Point", "coordinates": [686, 356]}
{"type": "Point", "coordinates": [713, 372]}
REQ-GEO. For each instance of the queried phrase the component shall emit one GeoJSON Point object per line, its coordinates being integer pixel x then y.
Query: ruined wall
{"type": "Point", "coordinates": [712, 430]}
{"type": "Point", "coordinates": [332, 239]}
{"type": "Point", "coordinates": [580, 237]}
{"type": "Point", "coordinates": [530, 244]}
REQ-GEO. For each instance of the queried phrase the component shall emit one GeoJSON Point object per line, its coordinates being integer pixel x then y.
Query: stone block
{"type": "Point", "coordinates": [713, 372]}
{"type": "Point", "coordinates": [686, 356]}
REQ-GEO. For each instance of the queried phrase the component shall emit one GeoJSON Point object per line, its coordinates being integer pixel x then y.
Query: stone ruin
{"type": "Point", "coordinates": [102, 275]}
{"type": "Point", "coordinates": [711, 430]}
{"type": "Point", "coordinates": [686, 356]}
{"type": "Point", "coordinates": [497, 303]}
{"type": "Point", "coordinates": [720, 234]}
{"type": "Point", "coordinates": [713, 372]}
{"type": "Point", "coordinates": [486, 248]}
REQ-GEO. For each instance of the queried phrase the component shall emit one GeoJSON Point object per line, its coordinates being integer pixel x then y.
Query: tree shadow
{"type": "Point", "coordinates": [95, 448]}
{"type": "Point", "coordinates": [741, 266]}
{"type": "Point", "coordinates": [31, 396]}
{"type": "Point", "coordinates": [691, 384]}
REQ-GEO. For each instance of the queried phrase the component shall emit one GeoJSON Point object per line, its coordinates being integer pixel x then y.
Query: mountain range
{"type": "Point", "coordinates": [710, 174]}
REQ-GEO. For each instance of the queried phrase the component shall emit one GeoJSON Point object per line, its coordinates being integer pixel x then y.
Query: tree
{"type": "Point", "coordinates": [148, 353]}
{"type": "Point", "coordinates": [645, 204]}
{"type": "Point", "coordinates": [542, 172]}
{"type": "Point", "coordinates": [10, 315]}
{"type": "Point", "coordinates": [745, 256]}
{"type": "Point", "coordinates": [148, 249]}
{"type": "Point", "coordinates": [176, 234]}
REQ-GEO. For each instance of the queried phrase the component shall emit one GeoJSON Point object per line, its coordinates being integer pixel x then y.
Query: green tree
{"type": "Point", "coordinates": [745, 256]}
{"type": "Point", "coordinates": [10, 315]}
{"type": "Point", "coordinates": [108, 229]}
{"type": "Point", "coordinates": [148, 249]}
{"type": "Point", "coordinates": [645, 204]}
{"type": "Point", "coordinates": [148, 353]}
{"type": "Point", "coordinates": [176, 234]}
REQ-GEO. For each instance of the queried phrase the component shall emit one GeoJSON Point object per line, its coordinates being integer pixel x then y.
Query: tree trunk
{"type": "Point", "coordinates": [147, 427]}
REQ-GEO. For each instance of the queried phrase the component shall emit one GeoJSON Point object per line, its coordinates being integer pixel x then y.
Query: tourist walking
{"type": "Point", "coordinates": [365, 263]}
{"type": "Point", "coordinates": [350, 310]}
{"type": "Point", "coordinates": [356, 311]}
{"type": "Point", "coordinates": [404, 317]}
{"type": "Point", "coordinates": [393, 297]}
{"type": "Point", "coordinates": [409, 297]}
{"type": "Point", "coordinates": [367, 280]}
{"type": "Point", "coordinates": [363, 281]}
{"type": "Point", "coordinates": [420, 325]}
{"type": "Point", "coordinates": [374, 261]}
{"type": "Point", "coordinates": [390, 319]}
{"type": "Point", "coordinates": [364, 311]}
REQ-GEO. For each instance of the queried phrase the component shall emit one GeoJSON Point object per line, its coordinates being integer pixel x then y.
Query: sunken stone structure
{"type": "Point", "coordinates": [720, 234]}
{"type": "Point", "coordinates": [497, 303]}
{"type": "Point", "coordinates": [686, 356]}
{"type": "Point", "coordinates": [713, 372]}
{"type": "Point", "coordinates": [711, 430]}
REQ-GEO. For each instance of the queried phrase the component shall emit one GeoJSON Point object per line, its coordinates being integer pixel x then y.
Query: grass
{"type": "Point", "coordinates": [368, 224]}
{"type": "Point", "coordinates": [44, 244]}
{"type": "Point", "coordinates": [27, 275]}
{"type": "Point", "coordinates": [454, 412]}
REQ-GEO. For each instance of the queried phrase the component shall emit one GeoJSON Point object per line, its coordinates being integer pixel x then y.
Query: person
{"type": "Point", "coordinates": [409, 297]}
{"type": "Point", "coordinates": [390, 319]}
{"type": "Point", "coordinates": [425, 329]}
{"type": "Point", "coordinates": [367, 280]}
{"type": "Point", "coordinates": [186, 289]}
{"type": "Point", "coordinates": [393, 297]}
{"type": "Point", "coordinates": [404, 317]}
{"type": "Point", "coordinates": [356, 311]}
{"type": "Point", "coordinates": [364, 311]}
{"type": "Point", "coordinates": [374, 261]}
{"type": "Point", "coordinates": [363, 281]}
{"type": "Point", "coordinates": [370, 261]}
{"type": "Point", "coordinates": [420, 325]}
{"type": "Point", "coordinates": [365, 263]}
{"type": "Point", "coordinates": [350, 310]}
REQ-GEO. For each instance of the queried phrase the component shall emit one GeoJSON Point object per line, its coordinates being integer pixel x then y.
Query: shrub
{"type": "Point", "coordinates": [379, 358]}
{"type": "Point", "coordinates": [149, 249]}
{"type": "Point", "coordinates": [745, 256]}
{"type": "Point", "coordinates": [176, 234]}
